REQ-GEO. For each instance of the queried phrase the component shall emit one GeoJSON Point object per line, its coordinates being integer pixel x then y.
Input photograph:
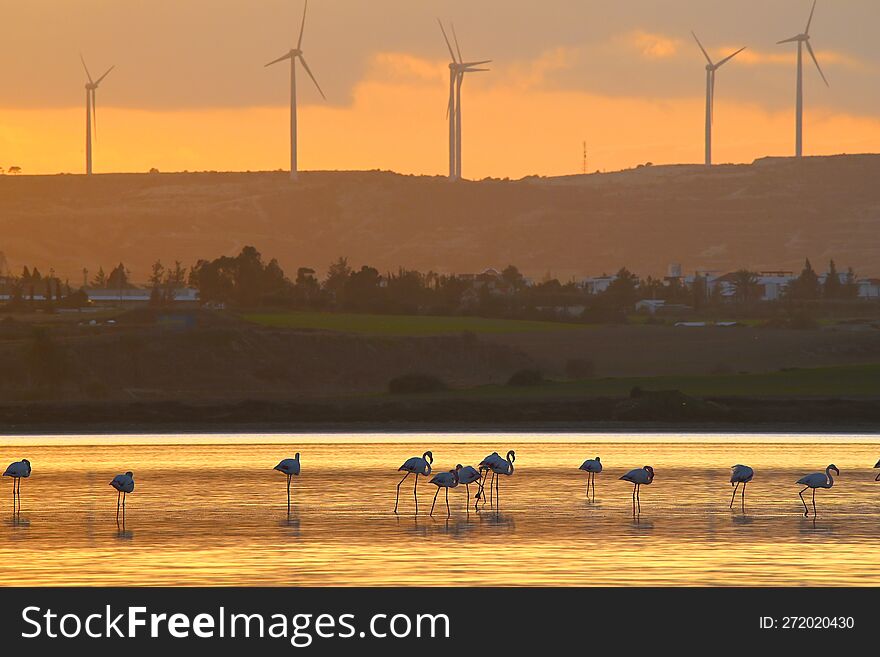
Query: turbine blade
{"type": "Point", "coordinates": [485, 61]}
{"type": "Point", "coordinates": [280, 59]}
{"type": "Point", "coordinates": [451, 103]}
{"type": "Point", "coordinates": [98, 81]}
{"type": "Point", "coordinates": [705, 54]}
{"type": "Point", "coordinates": [810, 20]}
{"type": "Point", "coordinates": [455, 38]}
{"type": "Point", "coordinates": [448, 45]}
{"type": "Point", "coordinates": [791, 40]}
{"type": "Point", "coordinates": [476, 70]}
{"type": "Point", "coordinates": [88, 75]}
{"type": "Point", "coordinates": [816, 62]}
{"type": "Point", "coordinates": [728, 58]}
{"type": "Point", "coordinates": [302, 27]}
{"type": "Point", "coordinates": [309, 71]}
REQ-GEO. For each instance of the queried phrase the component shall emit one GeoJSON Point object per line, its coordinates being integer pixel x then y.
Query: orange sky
{"type": "Point", "coordinates": [512, 127]}
{"type": "Point", "coordinates": [628, 80]}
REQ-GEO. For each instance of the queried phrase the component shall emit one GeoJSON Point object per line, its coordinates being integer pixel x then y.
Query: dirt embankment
{"type": "Point", "coordinates": [205, 356]}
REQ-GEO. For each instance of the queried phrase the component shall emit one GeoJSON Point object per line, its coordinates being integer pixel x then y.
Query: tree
{"type": "Point", "coordinates": [337, 275]}
{"type": "Point", "coordinates": [362, 291]}
{"type": "Point", "coordinates": [118, 278]}
{"type": "Point", "coordinates": [832, 289]}
{"type": "Point", "coordinates": [157, 274]}
{"type": "Point", "coordinates": [850, 289]}
{"type": "Point", "coordinates": [100, 279]}
{"type": "Point", "coordinates": [745, 285]}
{"type": "Point", "coordinates": [806, 286]}
{"type": "Point", "coordinates": [513, 277]}
{"type": "Point", "coordinates": [14, 170]}
{"type": "Point", "coordinates": [621, 292]}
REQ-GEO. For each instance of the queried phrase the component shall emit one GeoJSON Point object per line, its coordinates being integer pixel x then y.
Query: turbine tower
{"type": "Point", "coordinates": [91, 112]}
{"type": "Point", "coordinates": [802, 40]}
{"type": "Point", "coordinates": [457, 69]}
{"type": "Point", "coordinates": [711, 67]}
{"type": "Point", "coordinates": [293, 54]}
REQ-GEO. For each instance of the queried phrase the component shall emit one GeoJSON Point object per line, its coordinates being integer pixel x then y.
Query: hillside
{"type": "Point", "coordinates": [767, 215]}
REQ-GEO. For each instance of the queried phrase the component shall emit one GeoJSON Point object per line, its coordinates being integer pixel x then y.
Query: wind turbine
{"type": "Point", "coordinates": [293, 54]}
{"type": "Point", "coordinates": [802, 40]}
{"type": "Point", "coordinates": [711, 67]}
{"type": "Point", "coordinates": [91, 112]}
{"type": "Point", "coordinates": [457, 69]}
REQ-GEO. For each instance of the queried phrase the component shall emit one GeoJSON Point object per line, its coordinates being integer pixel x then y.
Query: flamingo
{"type": "Point", "coordinates": [877, 465]}
{"type": "Point", "coordinates": [740, 474]}
{"type": "Point", "coordinates": [124, 484]}
{"type": "Point", "coordinates": [591, 467]}
{"type": "Point", "coordinates": [417, 466]}
{"type": "Point", "coordinates": [445, 480]}
{"type": "Point", "coordinates": [18, 471]}
{"type": "Point", "coordinates": [485, 466]}
{"type": "Point", "coordinates": [467, 476]}
{"type": "Point", "coordinates": [290, 467]}
{"type": "Point", "coordinates": [638, 477]}
{"type": "Point", "coordinates": [501, 467]}
{"type": "Point", "coordinates": [814, 481]}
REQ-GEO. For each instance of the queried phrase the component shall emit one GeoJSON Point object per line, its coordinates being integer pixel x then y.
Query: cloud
{"type": "Point", "coordinates": [788, 57]}
{"type": "Point", "coordinates": [651, 45]}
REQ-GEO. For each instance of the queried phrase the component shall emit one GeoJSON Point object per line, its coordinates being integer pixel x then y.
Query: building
{"type": "Point", "coordinates": [597, 284]}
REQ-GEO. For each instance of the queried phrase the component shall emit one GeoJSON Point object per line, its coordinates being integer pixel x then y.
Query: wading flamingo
{"type": "Point", "coordinates": [417, 466]}
{"type": "Point", "coordinates": [290, 467]}
{"type": "Point", "coordinates": [467, 476]}
{"type": "Point", "coordinates": [124, 484]}
{"type": "Point", "coordinates": [814, 481]}
{"type": "Point", "coordinates": [485, 467]}
{"type": "Point", "coordinates": [504, 467]}
{"type": "Point", "coordinates": [445, 480]}
{"type": "Point", "coordinates": [740, 474]}
{"type": "Point", "coordinates": [638, 478]}
{"type": "Point", "coordinates": [592, 467]}
{"type": "Point", "coordinates": [18, 471]}
{"type": "Point", "coordinates": [877, 465]}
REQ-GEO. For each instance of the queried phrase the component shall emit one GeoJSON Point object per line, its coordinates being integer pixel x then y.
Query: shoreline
{"type": "Point", "coordinates": [430, 415]}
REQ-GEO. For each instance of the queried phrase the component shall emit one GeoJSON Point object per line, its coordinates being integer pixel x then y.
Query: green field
{"type": "Point", "coordinates": [848, 381]}
{"type": "Point", "coordinates": [401, 325]}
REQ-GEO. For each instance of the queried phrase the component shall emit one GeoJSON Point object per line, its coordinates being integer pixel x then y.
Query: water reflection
{"type": "Point", "coordinates": [227, 524]}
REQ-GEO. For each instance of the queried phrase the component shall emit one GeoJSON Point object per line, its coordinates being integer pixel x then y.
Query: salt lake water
{"type": "Point", "coordinates": [209, 510]}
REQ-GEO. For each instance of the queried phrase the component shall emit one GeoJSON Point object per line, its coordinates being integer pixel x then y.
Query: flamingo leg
{"type": "Point", "coordinates": [497, 490]}
{"type": "Point", "coordinates": [639, 497]}
{"type": "Point", "coordinates": [634, 499]}
{"type": "Point", "coordinates": [743, 497]}
{"type": "Point", "coordinates": [448, 512]}
{"type": "Point", "coordinates": [118, 495]}
{"type": "Point", "coordinates": [397, 498]}
{"type": "Point", "coordinates": [494, 481]}
{"type": "Point", "coordinates": [435, 501]}
{"type": "Point", "coordinates": [733, 497]}
{"type": "Point", "coordinates": [801, 494]}
{"type": "Point", "coordinates": [593, 478]}
{"type": "Point", "coordinates": [416, 492]}
{"type": "Point", "coordinates": [467, 490]}
{"type": "Point", "coordinates": [483, 474]}
{"type": "Point", "coordinates": [814, 503]}
{"type": "Point", "coordinates": [588, 485]}
{"type": "Point", "coordinates": [288, 493]}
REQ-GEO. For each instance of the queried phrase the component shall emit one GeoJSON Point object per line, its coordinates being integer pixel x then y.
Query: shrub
{"type": "Point", "coordinates": [526, 378]}
{"type": "Point", "coordinates": [579, 368]}
{"type": "Point", "coordinates": [415, 383]}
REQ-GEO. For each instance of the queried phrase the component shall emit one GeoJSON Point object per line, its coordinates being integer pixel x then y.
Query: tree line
{"type": "Point", "coordinates": [248, 281]}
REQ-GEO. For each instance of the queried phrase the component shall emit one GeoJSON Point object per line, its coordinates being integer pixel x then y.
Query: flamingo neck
{"type": "Point", "coordinates": [830, 481]}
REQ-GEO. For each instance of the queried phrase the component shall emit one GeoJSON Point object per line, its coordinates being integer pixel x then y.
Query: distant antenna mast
{"type": "Point", "coordinates": [585, 157]}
